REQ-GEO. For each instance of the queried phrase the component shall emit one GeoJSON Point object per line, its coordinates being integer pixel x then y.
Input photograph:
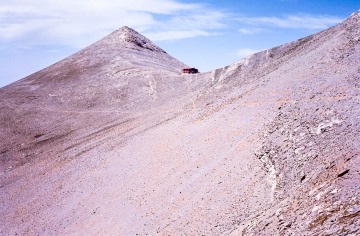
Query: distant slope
{"type": "Point", "coordinates": [102, 65]}
{"type": "Point", "coordinates": [113, 141]}
{"type": "Point", "coordinates": [116, 74]}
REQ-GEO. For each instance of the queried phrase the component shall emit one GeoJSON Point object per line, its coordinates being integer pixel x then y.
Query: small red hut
{"type": "Point", "coordinates": [190, 71]}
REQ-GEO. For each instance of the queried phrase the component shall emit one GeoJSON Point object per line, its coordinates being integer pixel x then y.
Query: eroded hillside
{"type": "Point", "coordinates": [114, 140]}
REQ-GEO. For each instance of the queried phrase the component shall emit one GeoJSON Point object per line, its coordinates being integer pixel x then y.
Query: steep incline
{"type": "Point", "coordinates": [100, 67]}
{"type": "Point", "coordinates": [118, 74]}
{"type": "Point", "coordinates": [113, 141]}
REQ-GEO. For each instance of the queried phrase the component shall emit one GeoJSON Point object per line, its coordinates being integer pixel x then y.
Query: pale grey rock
{"type": "Point", "coordinates": [113, 140]}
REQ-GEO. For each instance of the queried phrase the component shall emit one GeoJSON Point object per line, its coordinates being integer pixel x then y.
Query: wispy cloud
{"type": "Point", "coordinates": [250, 31]}
{"type": "Point", "coordinates": [201, 22]}
{"type": "Point", "coordinates": [78, 23]}
{"type": "Point", "coordinates": [244, 52]}
{"type": "Point", "coordinates": [293, 21]}
{"type": "Point", "coordinates": [179, 34]}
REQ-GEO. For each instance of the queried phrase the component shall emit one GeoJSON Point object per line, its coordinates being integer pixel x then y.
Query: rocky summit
{"type": "Point", "coordinates": [114, 140]}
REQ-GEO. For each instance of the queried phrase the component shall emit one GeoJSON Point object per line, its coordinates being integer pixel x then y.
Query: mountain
{"type": "Point", "coordinates": [115, 141]}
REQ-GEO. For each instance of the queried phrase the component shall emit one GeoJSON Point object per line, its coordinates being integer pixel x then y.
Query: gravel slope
{"type": "Point", "coordinates": [115, 141]}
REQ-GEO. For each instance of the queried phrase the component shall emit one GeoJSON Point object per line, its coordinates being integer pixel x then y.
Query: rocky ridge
{"type": "Point", "coordinates": [113, 140]}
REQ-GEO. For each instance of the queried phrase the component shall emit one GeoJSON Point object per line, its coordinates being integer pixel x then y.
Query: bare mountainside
{"type": "Point", "coordinates": [114, 141]}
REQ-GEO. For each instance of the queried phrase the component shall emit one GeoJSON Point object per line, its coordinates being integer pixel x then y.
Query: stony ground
{"type": "Point", "coordinates": [115, 141]}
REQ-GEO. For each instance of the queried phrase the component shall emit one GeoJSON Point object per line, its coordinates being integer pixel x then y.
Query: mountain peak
{"type": "Point", "coordinates": [112, 115]}
{"type": "Point", "coordinates": [127, 35]}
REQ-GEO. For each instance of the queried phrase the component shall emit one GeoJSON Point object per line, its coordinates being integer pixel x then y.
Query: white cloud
{"type": "Point", "coordinates": [201, 18]}
{"type": "Point", "coordinates": [188, 26]}
{"type": "Point", "coordinates": [294, 21]}
{"type": "Point", "coordinates": [244, 52]}
{"type": "Point", "coordinates": [81, 22]}
{"type": "Point", "coordinates": [250, 31]}
{"type": "Point", "coordinates": [179, 34]}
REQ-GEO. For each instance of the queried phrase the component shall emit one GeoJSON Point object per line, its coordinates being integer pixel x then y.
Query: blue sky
{"type": "Point", "coordinates": [203, 34]}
